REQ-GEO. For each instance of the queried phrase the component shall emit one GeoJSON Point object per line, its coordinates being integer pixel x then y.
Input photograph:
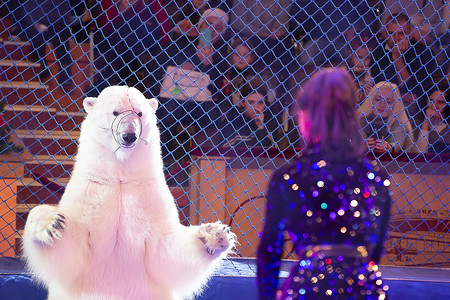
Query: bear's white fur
{"type": "Point", "coordinates": [116, 233]}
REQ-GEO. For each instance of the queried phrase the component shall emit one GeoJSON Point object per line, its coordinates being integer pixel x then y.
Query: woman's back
{"type": "Point", "coordinates": [336, 212]}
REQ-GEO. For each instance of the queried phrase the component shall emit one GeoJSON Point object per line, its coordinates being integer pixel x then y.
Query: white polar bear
{"type": "Point", "coordinates": [116, 233]}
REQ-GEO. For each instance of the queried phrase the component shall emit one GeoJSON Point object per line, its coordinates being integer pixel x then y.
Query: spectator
{"type": "Point", "coordinates": [200, 59]}
{"type": "Point", "coordinates": [325, 201]}
{"type": "Point", "coordinates": [247, 125]}
{"type": "Point", "coordinates": [435, 128]}
{"type": "Point", "coordinates": [267, 24]}
{"type": "Point", "coordinates": [82, 20]}
{"type": "Point", "coordinates": [129, 32]}
{"type": "Point", "coordinates": [328, 25]}
{"type": "Point", "coordinates": [16, 14]}
{"type": "Point", "coordinates": [187, 19]}
{"type": "Point", "coordinates": [406, 63]}
{"type": "Point", "coordinates": [359, 64]}
{"type": "Point", "coordinates": [49, 20]}
{"type": "Point", "coordinates": [241, 60]}
{"type": "Point", "coordinates": [384, 122]}
{"type": "Point", "coordinates": [430, 19]}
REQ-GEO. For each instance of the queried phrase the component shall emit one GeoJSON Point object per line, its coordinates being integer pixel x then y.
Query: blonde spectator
{"type": "Point", "coordinates": [384, 121]}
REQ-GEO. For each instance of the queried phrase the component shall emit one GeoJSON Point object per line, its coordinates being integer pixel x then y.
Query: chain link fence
{"type": "Point", "coordinates": [226, 74]}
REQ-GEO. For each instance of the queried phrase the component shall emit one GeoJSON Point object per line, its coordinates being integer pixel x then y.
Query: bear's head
{"type": "Point", "coordinates": [121, 119]}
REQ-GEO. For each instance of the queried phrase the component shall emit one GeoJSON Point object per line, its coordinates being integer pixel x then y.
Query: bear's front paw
{"type": "Point", "coordinates": [46, 227]}
{"type": "Point", "coordinates": [217, 238]}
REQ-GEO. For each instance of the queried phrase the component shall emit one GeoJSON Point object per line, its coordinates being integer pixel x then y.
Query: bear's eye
{"type": "Point", "coordinates": [115, 113]}
{"type": "Point", "coordinates": [139, 114]}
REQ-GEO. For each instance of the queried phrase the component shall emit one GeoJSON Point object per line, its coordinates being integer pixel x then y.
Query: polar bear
{"type": "Point", "coordinates": [116, 233]}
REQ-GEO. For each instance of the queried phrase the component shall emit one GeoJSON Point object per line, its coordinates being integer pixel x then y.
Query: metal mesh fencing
{"type": "Point", "coordinates": [226, 75]}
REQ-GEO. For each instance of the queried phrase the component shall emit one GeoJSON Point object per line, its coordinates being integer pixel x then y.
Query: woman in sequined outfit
{"type": "Point", "coordinates": [333, 203]}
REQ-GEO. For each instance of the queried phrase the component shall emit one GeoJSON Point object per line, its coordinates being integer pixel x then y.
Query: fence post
{"type": "Point", "coordinates": [11, 169]}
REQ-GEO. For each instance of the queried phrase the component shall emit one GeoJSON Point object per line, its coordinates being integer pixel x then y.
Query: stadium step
{"type": "Point", "coordinates": [19, 70]}
{"type": "Point", "coordinates": [37, 117]}
{"type": "Point", "coordinates": [24, 93]}
{"type": "Point", "coordinates": [15, 50]}
{"type": "Point", "coordinates": [48, 134]}
{"type": "Point", "coordinates": [56, 142]}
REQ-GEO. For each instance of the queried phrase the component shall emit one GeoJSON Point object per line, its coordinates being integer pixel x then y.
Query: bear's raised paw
{"type": "Point", "coordinates": [216, 237]}
{"type": "Point", "coordinates": [46, 225]}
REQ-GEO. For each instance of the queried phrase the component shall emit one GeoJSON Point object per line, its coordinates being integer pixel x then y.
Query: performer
{"type": "Point", "coordinates": [333, 203]}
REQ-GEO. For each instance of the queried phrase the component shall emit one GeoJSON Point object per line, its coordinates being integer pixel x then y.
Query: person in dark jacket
{"type": "Point", "coordinates": [434, 136]}
{"type": "Point", "coordinates": [247, 125]}
{"type": "Point", "coordinates": [50, 20]}
{"type": "Point", "coordinates": [129, 35]}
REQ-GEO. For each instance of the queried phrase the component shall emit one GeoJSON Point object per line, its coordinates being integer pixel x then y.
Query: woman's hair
{"type": "Point", "coordinates": [329, 103]}
{"type": "Point", "coordinates": [397, 108]}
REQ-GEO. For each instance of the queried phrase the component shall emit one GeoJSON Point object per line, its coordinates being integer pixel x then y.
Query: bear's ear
{"type": "Point", "coordinates": [88, 103]}
{"type": "Point", "coordinates": [153, 103]}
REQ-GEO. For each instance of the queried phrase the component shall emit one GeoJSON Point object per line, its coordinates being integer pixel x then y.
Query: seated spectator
{"type": "Point", "coordinates": [429, 18]}
{"type": "Point", "coordinates": [187, 19]}
{"type": "Point", "coordinates": [267, 24]}
{"type": "Point", "coordinates": [247, 124]}
{"type": "Point", "coordinates": [384, 122]}
{"type": "Point", "coordinates": [406, 63]}
{"type": "Point", "coordinates": [359, 65]}
{"type": "Point", "coordinates": [327, 25]}
{"type": "Point", "coordinates": [49, 23]}
{"type": "Point", "coordinates": [128, 33]}
{"type": "Point", "coordinates": [241, 60]}
{"type": "Point", "coordinates": [435, 129]}
{"type": "Point", "coordinates": [430, 22]}
{"type": "Point", "coordinates": [190, 90]}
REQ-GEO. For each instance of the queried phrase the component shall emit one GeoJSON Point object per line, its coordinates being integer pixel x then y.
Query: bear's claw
{"type": "Point", "coordinates": [216, 237]}
{"type": "Point", "coordinates": [53, 230]}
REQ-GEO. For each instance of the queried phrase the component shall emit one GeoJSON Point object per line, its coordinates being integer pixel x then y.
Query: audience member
{"type": "Point", "coordinates": [406, 63]}
{"type": "Point", "coordinates": [359, 65]}
{"type": "Point", "coordinates": [49, 23]}
{"type": "Point", "coordinates": [266, 23]}
{"type": "Point", "coordinates": [247, 124]}
{"type": "Point", "coordinates": [384, 122]}
{"type": "Point", "coordinates": [190, 91]}
{"type": "Point", "coordinates": [435, 129]}
{"type": "Point", "coordinates": [430, 19]}
{"type": "Point", "coordinates": [82, 20]}
{"type": "Point", "coordinates": [188, 17]}
{"type": "Point", "coordinates": [242, 66]}
{"type": "Point", "coordinates": [129, 32]}
{"type": "Point", "coordinates": [328, 26]}
{"type": "Point", "coordinates": [16, 14]}
{"type": "Point", "coordinates": [325, 200]}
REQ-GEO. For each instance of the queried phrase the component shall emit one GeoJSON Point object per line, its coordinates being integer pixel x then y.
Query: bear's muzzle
{"type": "Point", "coordinates": [127, 129]}
{"type": "Point", "coordinates": [128, 138]}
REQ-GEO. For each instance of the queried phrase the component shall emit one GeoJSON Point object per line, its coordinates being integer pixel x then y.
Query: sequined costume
{"type": "Point", "coordinates": [336, 212]}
